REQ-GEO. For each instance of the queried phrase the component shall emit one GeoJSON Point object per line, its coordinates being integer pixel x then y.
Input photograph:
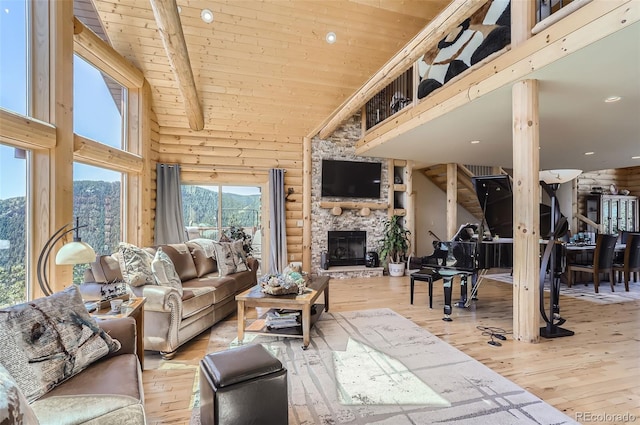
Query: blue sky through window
{"type": "Point", "coordinates": [101, 121]}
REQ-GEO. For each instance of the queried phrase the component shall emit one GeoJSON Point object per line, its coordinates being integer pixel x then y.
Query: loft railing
{"type": "Point", "coordinates": [434, 66]}
{"type": "Point", "coordinates": [392, 99]}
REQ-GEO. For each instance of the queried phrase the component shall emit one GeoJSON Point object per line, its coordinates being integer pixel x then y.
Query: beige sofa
{"type": "Point", "coordinates": [108, 392]}
{"type": "Point", "coordinates": [170, 319]}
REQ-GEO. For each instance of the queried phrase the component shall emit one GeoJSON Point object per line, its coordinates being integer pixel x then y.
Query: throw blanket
{"type": "Point", "coordinates": [207, 245]}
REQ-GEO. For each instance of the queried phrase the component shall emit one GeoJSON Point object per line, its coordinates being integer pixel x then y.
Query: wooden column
{"type": "Point", "coordinates": [526, 213]}
{"type": "Point", "coordinates": [51, 170]}
{"type": "Point", "coordinates": [523, 18]}
{"type": "Point", "coordinates": [306, 203]}
{"type": "Point", "coordinates": [452, 199]}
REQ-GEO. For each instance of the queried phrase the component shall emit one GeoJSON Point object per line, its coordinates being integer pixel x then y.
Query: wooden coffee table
{"type": "Point", "coordinates": [254, 297]}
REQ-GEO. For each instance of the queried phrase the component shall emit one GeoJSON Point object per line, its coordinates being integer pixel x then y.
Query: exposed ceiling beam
{"type": "Point", "coordinates": [170, 28]}
{"type": "Point", "coordinates": [438, 28]}
{"type": "Point", "coordinates": [95, 50]}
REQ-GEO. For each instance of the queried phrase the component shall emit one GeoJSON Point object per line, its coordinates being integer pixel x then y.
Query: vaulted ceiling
{"type": "Point", "coordinates": [264, 66]}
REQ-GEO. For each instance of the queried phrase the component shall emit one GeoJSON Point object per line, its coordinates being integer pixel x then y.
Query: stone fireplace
{"type": "Point", "coordinates": [341, 145]}
{"type": "Point", "coordinates": [346, 248]}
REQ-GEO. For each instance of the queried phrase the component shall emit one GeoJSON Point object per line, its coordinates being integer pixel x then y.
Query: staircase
{"type": "Point", "coordinates": [467, 197]}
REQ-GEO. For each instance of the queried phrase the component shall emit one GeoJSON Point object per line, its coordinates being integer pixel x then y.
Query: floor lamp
{"type": "Point", "coordinates": [76, 252]}
{"type": "Point", "coordinates": [550, 180]}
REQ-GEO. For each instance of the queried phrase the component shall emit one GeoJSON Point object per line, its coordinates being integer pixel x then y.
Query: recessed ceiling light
{"type": "Point", "coordinates": [589, 153]}
{"type": "Point", "coordinates": [635, 157]}
{"type": "Point", "coordinates": [612, 99]}
{"type": "Point", "coordinates": [331, 37]}
{"type": "Point", "coordinates": [206, 15]}
{"type": "Point", "coordinates": [475, 142]}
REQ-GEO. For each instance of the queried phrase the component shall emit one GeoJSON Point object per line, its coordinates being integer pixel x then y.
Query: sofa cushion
{"type": "Point", "coordinates": [230, 257]}
{"type": "Point", "coordinates": [14, 407]}
{"type": "Point", "coordinates": [49, 340]}
{"type": "Point", "coordinates": [182, 260]}
{"type": "Point", "coordinates": [135, 264]}
{"type": "Point", "coordinates": [204, 264]}
{"type": "Point", "coordinates": [106, 269]}
{"type": "Point", "coordinates": [165, 272]}
{"type": "Point", "coordinates": [223, 287]}
{"type": "Point", "coordinates": [90, 409]}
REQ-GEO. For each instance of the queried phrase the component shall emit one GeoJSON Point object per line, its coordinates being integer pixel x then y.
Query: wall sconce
{"type": "Point", "coordinates": [76, 252]}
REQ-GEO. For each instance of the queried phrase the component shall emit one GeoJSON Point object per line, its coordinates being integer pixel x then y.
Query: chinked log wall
{"type": "Point", "coordinates": [221, 156]}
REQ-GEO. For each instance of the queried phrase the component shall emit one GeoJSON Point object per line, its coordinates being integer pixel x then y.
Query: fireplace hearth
{"type": "Point", "coordinates": [346, 248]}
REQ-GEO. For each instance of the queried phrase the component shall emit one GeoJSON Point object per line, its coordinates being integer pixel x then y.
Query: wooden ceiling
{"type": "Point", "coordinates": [264, 67]}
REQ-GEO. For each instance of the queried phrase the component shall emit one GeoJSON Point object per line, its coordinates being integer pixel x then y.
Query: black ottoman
{"type": "Point", "coordinates": [244, 385]}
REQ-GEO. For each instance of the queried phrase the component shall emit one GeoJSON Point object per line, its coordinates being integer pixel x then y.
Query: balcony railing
{"type": "Point", "coordinates": [393, 98]}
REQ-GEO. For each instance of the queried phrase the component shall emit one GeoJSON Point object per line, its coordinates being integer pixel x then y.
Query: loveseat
{"type": "Point", "coordinates": [76, 380]}
{"type": "Point", "coordinates": [176, 314]}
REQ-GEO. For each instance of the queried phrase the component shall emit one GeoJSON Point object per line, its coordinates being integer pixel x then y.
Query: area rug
{"type": "Point", "coordinates": [586, 292]}
{"type": "Point", "coordinates": [375, 366]}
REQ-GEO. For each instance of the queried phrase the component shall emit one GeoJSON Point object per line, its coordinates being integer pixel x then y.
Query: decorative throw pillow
{"type": "Point", "coordinates": [225, 258]}
{"type": "Point", "coordinates": [239, 256]}
{"type": "Point", "coordinates": [14, 408]}
{"type": "Point", "coordinates": [135, 264]}
{"type": "Point", "coordinates": [165, 272]}
{"type": "Point", "coordinates": [46, 341]}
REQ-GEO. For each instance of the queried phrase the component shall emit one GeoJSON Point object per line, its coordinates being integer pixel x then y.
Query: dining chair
{"type": "Point", "coordinates": [631, 261]}
{"type": "Point", "coordinates": [602, 262]}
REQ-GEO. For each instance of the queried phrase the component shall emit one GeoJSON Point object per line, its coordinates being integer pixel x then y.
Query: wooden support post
{"type": "Point", "coordinates": [306, 204]}
{"type": "Point", "coordinates": [452, 199]}
{"type": "Point", "coordinates": [523, 18]}
{"type": "Point", "coordinates": [526, 212]}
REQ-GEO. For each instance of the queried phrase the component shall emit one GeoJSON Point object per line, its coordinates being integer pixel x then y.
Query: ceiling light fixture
{"type": "Point", "coordinates": [331, 37]}
{"type": "Point", "coordinates": [589, 153]}
{"type": "Point", "coordinates": [612, 99]}
{"type": "Point", "coordinates": [475, 142]}
{"type": "Point", "coordinates": [206, 15]}
{"type": "Point", "coordinates": [635, 157]}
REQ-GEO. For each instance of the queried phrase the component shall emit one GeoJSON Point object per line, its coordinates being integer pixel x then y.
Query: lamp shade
{"type": "Point", "coordinates": [76, 253]}
{"type": "Point", "coordinates": [558, 176]}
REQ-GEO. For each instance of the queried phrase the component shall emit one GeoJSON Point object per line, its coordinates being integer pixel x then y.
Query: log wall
{"type": "Point", "coordinates": [240, 158]}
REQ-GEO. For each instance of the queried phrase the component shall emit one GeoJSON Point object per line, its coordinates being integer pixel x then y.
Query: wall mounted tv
{"type": "Point", "coordinates": [351, 179]}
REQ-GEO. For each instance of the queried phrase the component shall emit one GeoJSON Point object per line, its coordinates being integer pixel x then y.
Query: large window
{"type": "Point", "coordinates": [13, 55]}
{"type": "Point", "coordinates": [13, 222]}
{"type": "Point", "coordinates": [97, 203]}
{"type": "Point", "coordinates": [211, 210]}
{"type": "Point", "coordinates": [98, 105]}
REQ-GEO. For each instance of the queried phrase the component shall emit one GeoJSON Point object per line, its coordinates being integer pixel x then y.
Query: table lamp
{"type": "Point", "coordinates": [76, 252]}
{"type": "Point", "coordinates": [550, 180]}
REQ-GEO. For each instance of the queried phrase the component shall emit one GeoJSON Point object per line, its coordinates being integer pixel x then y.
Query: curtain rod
{"type": "Point", "coordinates": [221, 168]}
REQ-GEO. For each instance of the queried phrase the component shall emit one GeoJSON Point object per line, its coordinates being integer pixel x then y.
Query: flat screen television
{"type": "Point", "coordinates": [351, 179]}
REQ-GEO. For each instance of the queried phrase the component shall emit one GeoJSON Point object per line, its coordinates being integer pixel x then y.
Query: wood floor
{"type": "Point", "coordinates": [592, 376]}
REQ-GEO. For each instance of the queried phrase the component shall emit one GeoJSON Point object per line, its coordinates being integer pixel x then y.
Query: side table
{"type": "Point", "coordinates": [133, 308]}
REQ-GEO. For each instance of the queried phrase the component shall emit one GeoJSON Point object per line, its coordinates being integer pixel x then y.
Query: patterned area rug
{"type": "Point", "coordinates": [375, 366]}
{"type": "Point", "coordinates": [586, 292]}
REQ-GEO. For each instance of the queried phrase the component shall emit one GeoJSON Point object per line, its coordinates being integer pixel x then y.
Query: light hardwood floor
{"type": "Point", "coordinates": [594, 372]}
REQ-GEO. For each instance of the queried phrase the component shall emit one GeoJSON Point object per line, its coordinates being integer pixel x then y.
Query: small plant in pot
{"type": "Point", "coordinates": [395, 245]}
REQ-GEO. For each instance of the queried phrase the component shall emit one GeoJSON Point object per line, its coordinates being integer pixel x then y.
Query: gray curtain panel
{"type": "Point", "coordinates": [278, 235]}
{"type": "Point", "coordinates": [169, 222]}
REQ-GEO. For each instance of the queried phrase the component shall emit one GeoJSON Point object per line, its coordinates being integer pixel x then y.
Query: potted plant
{"type": "Point", "coordinates": [395, 245]}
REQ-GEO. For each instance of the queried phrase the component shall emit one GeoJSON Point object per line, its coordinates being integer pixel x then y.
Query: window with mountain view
{"type": "Point", "coordinates": [97, 203]}
{"type": "Point", "coordinates": [209, 211]}
{"type": "Point", "coordinates": [13, 224]}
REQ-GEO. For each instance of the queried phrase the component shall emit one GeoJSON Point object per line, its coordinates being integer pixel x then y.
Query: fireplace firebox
{"type": "Point", "coordinates": [347, 248]}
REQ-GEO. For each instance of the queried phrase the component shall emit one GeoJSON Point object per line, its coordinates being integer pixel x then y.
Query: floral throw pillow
{"type": "Point", "coordinates": [165, 272]}
{"type": "Point", "coordinates": [135, 264]}
{"type": "Point", "coordinates": [14, 408]}
{"type": "Point", "coordinates": [48, 340]}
